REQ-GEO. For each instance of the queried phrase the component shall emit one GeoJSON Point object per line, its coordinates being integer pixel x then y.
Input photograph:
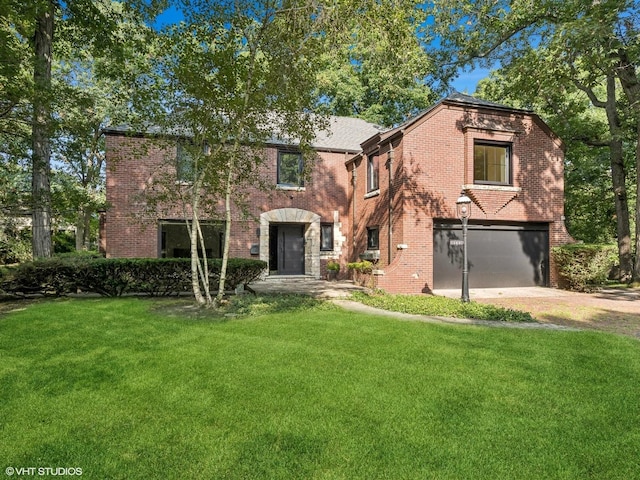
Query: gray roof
{"type": "Point", "coordinates": [458, 97]}
{"type": "Point", "coordinates": [345, 134]}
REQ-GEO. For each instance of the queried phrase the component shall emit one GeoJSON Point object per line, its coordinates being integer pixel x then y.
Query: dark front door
{"type": "Point", "coordinates": [290, 247]}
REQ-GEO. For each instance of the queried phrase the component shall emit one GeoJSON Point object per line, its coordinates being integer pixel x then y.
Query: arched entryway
{"type": "Point", "coordinates": [290, 241]}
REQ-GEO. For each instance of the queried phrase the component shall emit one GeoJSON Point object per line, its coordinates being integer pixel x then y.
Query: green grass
{"type": "Point", "coordinates": [139, 389]}
{"type": "Point", "coordinates": [440, 307]}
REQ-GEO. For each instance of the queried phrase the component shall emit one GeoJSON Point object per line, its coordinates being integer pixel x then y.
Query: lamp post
{"type": "Point", "coordinates": [463, 208]}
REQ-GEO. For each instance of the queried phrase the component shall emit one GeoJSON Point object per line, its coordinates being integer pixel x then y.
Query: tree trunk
{"type": "Point", "coordinates": [41, 149]}
{"type": "Point", "coordinates": [80, 231]}
{"type": "Point", "coordinates": [227, 230]}
{"type": "Point", "coordinates": [83, 229]}
{"type": "Point", "coordinates": [195, 258]}
{"type": "Point", "coordinates": [636, 270]}
{"type": "Point", "coordinates": [630, 82]}
{"type": "Point", "coordinates": [618, 178]}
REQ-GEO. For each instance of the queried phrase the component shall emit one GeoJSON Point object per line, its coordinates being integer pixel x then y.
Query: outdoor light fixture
{"type": "Point", "coordinates": [463, 208]}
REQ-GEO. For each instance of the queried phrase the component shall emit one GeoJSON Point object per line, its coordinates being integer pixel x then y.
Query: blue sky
{"type": "Point", "coordinates": [465, 83]}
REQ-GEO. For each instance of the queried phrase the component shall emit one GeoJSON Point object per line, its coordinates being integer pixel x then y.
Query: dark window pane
{"type": "Point", "coordinates": [372, 239]}
{"type": "Point", "coordinates": [175, 241]}
{"type": "Point", "coordinates": [372, 173]}
{"type": "Point", "coordinates": [326, 237]}
{"type": "Point", "coordinates": [185, 165]}
{"type": "Point", "coordinates": [290, 169]}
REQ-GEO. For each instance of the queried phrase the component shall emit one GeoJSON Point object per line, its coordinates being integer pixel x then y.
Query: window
{"type": "Point", "coordinates": [175, 241]}
{"type": "Point", "coordinates": [372, 238]}
{"type": "Point", "coordinates": [326, 236]}
{"type": "Point", "coordinates": [372, 173]}
{"type": "Point", "coordinates": [185, 164]}
{"type": "Point", "coordinates": [491, 163]}
{"type": "Point", "coordinates": [290, 168]}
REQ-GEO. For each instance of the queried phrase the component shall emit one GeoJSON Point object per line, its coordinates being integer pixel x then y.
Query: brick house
{"type": "Point", "coordinates": [388, 196]}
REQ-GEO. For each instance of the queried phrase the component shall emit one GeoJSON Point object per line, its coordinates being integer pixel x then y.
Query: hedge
{"type": "Point", "coordinates": [584, 267]}
{"type": "Point", "coordinates": [117, 276]}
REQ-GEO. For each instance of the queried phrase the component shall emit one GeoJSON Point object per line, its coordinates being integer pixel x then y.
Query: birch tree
{"type": "Point", "coordinates": [238, 73]}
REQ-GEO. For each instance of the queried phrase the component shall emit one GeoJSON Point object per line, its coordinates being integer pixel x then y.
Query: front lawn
{"type": "Point", "coordinates": [137, 389]}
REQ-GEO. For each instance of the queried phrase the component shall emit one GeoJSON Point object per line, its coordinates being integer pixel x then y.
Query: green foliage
{"type": "Point", "coordinates": [15, 244]}
{"type": "Point", "coordinates": [364, 266]}
{"type": "Point", "coordinates": [334, 266]}
{"type": "Point", "coordinates": [375, 67]}
{"type": "Point", "coordinates": [114, 277]}
{"type": "Point", "coordinates": [584, 267]}
{"type": "Point", "coordinates": [130, 390]}
{"type": "Point", "coordinates": [441, 307]}
{"type": "Point", "coordinates": [362, 273]}
{"type": "Point", "coordinates": [63, 242]}
{"type": "Point", "coordinates": [251, 305]}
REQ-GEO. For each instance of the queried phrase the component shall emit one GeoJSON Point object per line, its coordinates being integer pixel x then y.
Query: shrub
{"type": "Point", "coordinates": [584, 267]}
{"type": "Point", "coordinates": [240, 271]}
{"type": "Point", "coordinates": [333, 266]}
{"type": "Point", "coordinates": [63, 242]}
{"type": "Point", "coordinates": [364, 266]}
{"type": "Point", "coordinates": [117, 276]}
{"type": "Point", "coordinates": [15, 246]}
{"type": "Point", "coordinates": [362, 273]}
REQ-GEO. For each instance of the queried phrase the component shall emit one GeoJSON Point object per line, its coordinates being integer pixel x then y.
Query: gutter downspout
{"type": "Point", "coordinates": [354, 182]}
{"type": "Point", "coordinates": [390, 156]}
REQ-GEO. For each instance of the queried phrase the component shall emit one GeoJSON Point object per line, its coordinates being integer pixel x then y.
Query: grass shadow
{"type": "Point", "coordinates": [239, 306]}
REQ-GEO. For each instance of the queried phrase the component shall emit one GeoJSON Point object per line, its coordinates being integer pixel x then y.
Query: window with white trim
{"type": "Point", "coordinates": [492, 163]}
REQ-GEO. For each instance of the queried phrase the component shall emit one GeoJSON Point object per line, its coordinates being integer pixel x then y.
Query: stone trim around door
{"type": "Point", "coordinates": [311, 222]}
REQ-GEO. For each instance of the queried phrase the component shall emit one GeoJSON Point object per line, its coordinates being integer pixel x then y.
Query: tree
{"type": "Point", "coordinates": [40, 144]}
{"type": "Point", "coordinates": [238, 75]}
{"type": "Point", "coordinates": [582, 41]}
{"type": "Point", "coordinates": [242, 73]}
{"type": "Point", "coordinates": [376, 67]}
{"type": "Point", "coordinates": [31, 33]}
{"type": "Point", "coordinates": [94, 90]}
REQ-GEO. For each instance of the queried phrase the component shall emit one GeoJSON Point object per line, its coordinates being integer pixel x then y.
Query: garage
{"type": "Point", "coordinates": [509, 255]}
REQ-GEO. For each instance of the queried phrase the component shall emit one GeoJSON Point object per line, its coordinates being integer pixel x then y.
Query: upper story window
{"type": "Point", "coordinates": [492, 163]}
{"type": "Point", "coordinates": [372, 173]}
{"type": "Point", "coordinates": [185, 163]}
{"type": "Point", "coordinates": [290, 169]}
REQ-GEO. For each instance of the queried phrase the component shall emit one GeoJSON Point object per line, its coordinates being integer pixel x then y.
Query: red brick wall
{"type": "Point", "coordinates": [435, 157]}
{"type": "Point", "coordinates": [135, 163]}
{"type": "Point", "coordinates": [433, 160]}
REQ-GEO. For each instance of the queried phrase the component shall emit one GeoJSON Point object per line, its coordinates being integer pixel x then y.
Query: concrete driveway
{"type": "Point", "coordinates": [513, 292]}
{"type": "Point", "coordinates": [615, 310]}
